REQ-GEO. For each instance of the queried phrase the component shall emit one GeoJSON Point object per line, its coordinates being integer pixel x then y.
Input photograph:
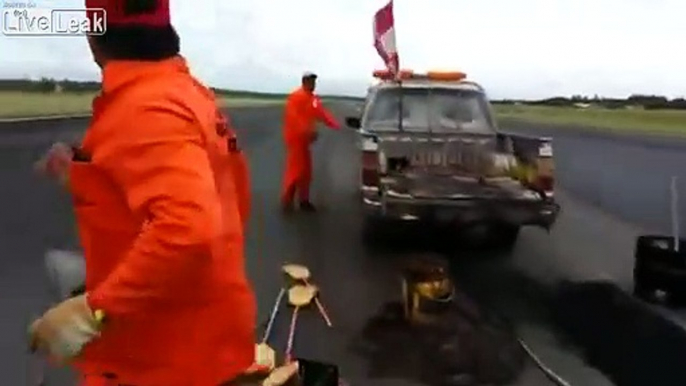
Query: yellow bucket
{"type": "Point", "coordinates": [427, 290]}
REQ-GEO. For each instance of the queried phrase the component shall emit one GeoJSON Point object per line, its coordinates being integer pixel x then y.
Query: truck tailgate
{"type": "Point", "coordinates": [454, 187]}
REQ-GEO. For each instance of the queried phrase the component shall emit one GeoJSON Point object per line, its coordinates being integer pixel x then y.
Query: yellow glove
{"type": "Point", "coordinates": [65, 329]}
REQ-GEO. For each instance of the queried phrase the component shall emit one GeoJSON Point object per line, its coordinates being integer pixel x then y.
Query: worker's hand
{"type": "Point", "coordinates": [65, 329]}
{"type": "Point", "coordinates": [334, 124]}
{"type": "Point", "coordinates": [55, 162]}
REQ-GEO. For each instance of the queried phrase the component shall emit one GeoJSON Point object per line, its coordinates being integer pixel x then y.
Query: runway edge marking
{"type": "Point", "coordinates": [83, 116]}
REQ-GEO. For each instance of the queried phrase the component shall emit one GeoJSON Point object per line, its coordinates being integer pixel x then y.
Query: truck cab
{"type": "Point", "coordinates": [431, 150]}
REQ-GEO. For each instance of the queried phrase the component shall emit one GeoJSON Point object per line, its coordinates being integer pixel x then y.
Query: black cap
{"type": "Point", "coordinates": [309, 75]}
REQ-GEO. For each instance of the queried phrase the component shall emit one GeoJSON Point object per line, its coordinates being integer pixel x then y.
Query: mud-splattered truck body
{"type": "Point", "coordinates": [431, 150]}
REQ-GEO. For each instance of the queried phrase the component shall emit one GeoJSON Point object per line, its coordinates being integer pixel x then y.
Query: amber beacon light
{"type": "Point", "coordinates": [444, 76]}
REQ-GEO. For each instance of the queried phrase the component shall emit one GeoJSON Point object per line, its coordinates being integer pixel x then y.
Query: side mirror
{"type": "Point", "coordinates": [353, 122]}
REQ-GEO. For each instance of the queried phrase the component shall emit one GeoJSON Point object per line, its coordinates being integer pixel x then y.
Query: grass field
{"type": "Point", "coordinates": [669, 122]}
{"type": "Point", "coordinates": [21, 104]}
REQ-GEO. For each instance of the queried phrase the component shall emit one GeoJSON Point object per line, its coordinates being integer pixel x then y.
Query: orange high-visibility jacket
{"type": "Point", "coordinates": [303, 110]}
{"type": "Point", "coordinates": [161, 207]}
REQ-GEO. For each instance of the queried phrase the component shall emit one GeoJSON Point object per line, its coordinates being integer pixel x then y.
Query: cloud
{"type": "Point", "coordinates": [528, 48]}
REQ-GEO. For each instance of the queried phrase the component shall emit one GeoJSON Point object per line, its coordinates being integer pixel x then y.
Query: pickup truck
{"type": "Point", "coordinates": [431, 151]}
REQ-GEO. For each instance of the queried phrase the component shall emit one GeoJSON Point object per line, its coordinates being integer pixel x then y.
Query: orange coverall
{"type": "Point", "coordinates": [303, 110]}
{"type": "Point", "coordinates": [161, 205]}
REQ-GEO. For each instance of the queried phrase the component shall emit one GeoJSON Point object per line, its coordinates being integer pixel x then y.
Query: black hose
{"type": "Point", "coordinates": [549, 373]}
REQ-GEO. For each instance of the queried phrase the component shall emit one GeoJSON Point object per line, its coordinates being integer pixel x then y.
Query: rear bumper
{"type": "Point", "coordinates": [521, 212]}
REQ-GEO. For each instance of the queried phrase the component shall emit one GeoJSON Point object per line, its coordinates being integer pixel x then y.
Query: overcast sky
{"type": "Point", "coordinates": [516, 49]}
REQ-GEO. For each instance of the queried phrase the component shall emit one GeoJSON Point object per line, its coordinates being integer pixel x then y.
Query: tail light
{"type": "Point", "coordinates": [370, 162]}
{"type": "Point", "coordinates": [545, 167]}
{"type": "Point", "coordinates": [370, 168]}
{"type": "Point", "coordinates": [545, 183]}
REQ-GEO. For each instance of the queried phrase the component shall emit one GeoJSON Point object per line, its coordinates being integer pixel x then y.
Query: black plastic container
{"type": "Point", "coordinates": [658, 266]}
{"type": "Point", "coordinates": [314, 373]}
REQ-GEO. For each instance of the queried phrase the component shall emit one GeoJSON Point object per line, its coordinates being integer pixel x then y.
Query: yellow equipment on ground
{"type": "Point", "coordinates": [427, 289]}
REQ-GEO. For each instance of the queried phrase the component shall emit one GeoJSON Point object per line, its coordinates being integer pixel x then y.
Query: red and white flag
{"type": "Point", "coordinates": [384, 37]}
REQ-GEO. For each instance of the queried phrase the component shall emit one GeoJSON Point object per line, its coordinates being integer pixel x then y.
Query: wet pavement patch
{"type": "Point", "coordinates": [621, 336]}
{"type": "Point", "coordinates": [461, 348]}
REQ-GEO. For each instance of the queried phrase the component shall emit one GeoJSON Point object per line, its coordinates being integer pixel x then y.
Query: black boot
{"type": "Point", "coordinates": [287, 207]}
{"type": "Point", "coordinates": [307, 206]}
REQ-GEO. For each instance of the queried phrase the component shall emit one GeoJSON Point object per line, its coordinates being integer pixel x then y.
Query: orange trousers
{"type": "Point", "coordinates": [298, 174]}
{"type": "Point", "coordinates": [101, 381]}
{"type": "Point", "coordinates": [90, 380]}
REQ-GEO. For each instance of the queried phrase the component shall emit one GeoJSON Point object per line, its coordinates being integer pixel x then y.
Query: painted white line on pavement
{"type": "Point", "coordinates": [43, 118]}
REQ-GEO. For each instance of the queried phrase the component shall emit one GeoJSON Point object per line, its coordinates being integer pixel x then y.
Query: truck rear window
{"type": "Point", "coordinates": [440, 110]}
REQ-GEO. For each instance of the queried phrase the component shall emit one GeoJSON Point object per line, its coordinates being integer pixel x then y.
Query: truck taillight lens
{"type": "Point", "coordinates": [370, 160]}
{"type": "Point", "coordinates": [370, 168]}
{"type": "Point", "coordinates": [545, 176]}
{"type": "Point", "coordinates": [545, 183]}
{"type": "Point", "coordinates": [370, 177]}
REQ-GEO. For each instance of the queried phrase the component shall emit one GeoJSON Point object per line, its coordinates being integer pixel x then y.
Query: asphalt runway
{"type": "Point", "coordinates": [593, 239]}
{"type": "Point", "coordinates": [627, 175]}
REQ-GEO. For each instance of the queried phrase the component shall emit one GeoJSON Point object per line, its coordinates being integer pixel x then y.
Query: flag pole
{"type": "Point", "coordinates": [400, 102]}
{"type": "Point", "coordinates": [399, 79]}
{"type": "Point", "coordinates": [384, 42]}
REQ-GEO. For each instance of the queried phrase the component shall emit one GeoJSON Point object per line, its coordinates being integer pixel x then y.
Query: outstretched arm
{"type": "Point", "coordinates": [325, 115]}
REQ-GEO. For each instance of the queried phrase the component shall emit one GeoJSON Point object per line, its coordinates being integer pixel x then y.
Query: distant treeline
{"type": "Point", "coordinates": [648, 102]}
{"type": "Point", "coordinates": [48, 85]}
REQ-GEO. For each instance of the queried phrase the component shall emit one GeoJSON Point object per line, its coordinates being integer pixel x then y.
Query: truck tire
{"type": "Point", "coordinates": [505, 237]}
{"type": "Point", "coordinates": [371, 231]}
{"type": "Point", "coordinates": [378, 233]}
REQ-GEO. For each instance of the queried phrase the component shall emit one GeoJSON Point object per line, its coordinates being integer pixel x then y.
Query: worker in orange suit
{"type": "Point", "coordinates": [161, 198]}
{"type": "Point", "coordinates": [303, 110]}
